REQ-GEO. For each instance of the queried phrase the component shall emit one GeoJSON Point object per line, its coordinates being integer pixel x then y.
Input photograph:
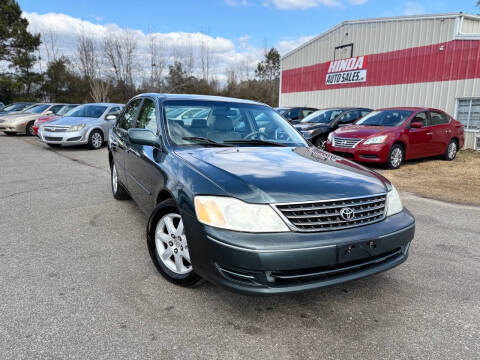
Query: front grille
{"type": "Point", "coordinates": [51, 138]}
{"type": "Point", "coordinates": [345, 142]}
{"type": "Point", "coordinates": [328, 272]}
{"type": "Point", "coordinates": [54, 129]}
{"type": "Point", "coordinates": [327, 215]}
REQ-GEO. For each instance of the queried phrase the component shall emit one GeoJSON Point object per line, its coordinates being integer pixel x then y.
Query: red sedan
{"type": "Point", "coordinates": [390, 136]}
{"type": "Point", "coordinates": [43, 119]}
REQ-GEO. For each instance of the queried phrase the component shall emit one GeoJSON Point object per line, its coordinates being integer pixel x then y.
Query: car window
{"type": "Point", "coordinates": [127, 118]}
{"type": "Point", "coordinates": [306, 112]}
{"type": "Point", "coordinates": [421, 118]}
{"type": "Point", "coordinates": [322, 116]}
{"type": "Point", "coordinates": [55, 109]}
{"type": "Point", "coordinates": [350, 117]}
{"type": "Point", "coordinates": [438, 118]}
{"type": "Point", "coordinates": [293, 114]}
{"type": "Point", "coordinates": [229, 122]}
{"type": "Point", "coordinates": [365, 112]}
{"type": "Point", "coordinates": [147, 118]}
{"type": "Point", "coordinates": [38, 109]}
{"type": "Point", "coordinates": [114, 110]}
{"type": "Point", "coordinates": [385, 118]}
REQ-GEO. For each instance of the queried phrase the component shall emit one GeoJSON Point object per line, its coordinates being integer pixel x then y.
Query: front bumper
{"type": "Point", "coordinates": [13, 127]}
{"type": "Point", "coordinates": [291, 262]}
{"type": "Point", "coordinates": [64, 138]}
{"type": "Point", "coordinates": [377, 153]}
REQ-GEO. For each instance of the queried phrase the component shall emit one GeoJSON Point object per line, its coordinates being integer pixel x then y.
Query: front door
{"type": "Point", "coordinates": [139, 160]}
{"type": "Point", "coordinates": [420, 140]}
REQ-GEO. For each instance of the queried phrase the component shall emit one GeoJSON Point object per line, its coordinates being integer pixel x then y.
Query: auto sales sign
{"type": "Point", "coordinates": [346, 71]}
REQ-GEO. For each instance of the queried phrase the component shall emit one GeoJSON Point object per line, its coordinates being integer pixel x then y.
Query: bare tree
{"type": "Point", "coordinates": [50, 44]}
{"type": "Point", "coordinates": [87, 55]}
{"type": "Point", "coordinates": [119, 51]}
{"type": "Point", "coordinates": [206, 58]}
{"type": "Point", "coordinates": [157, 61]}
{"type": "Point", "coordinates": [99, 90]}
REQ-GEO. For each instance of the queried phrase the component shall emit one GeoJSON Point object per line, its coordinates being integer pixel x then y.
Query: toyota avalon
{"type": "Point", "coordinates": [240, 199]}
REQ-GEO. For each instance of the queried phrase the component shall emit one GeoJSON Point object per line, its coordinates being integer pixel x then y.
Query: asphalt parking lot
{"type": "Point", "coordinates": [77, 282]}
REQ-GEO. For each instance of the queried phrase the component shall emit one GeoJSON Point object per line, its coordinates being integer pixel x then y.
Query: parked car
{"type": "Point", "coordinates": [390, 136]}
{"type": "Point", "coordinates": [293, 114]}
{"type": "Point", "coordinates": [251, 207]}
{"type": "Point", "coordinates": [316, 126]}
{"type": "Point", "coordinates": [22, 122]}
{"type": "Point", "coordinates": [43, 119]}
{"type": "Point", "coordinates": [87, 124]}
{"type": "Point", "coordinates": [16, 107]}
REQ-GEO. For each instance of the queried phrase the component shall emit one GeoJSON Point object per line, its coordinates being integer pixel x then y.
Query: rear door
{"type": "Point", "coordinates": [119, 138]}
{"type": "Point", "coordinates": [420, 140]}
{"type": "Point", "coordinates": [139, 159]}
{"type": "Point", "coordinates": [441, 130]}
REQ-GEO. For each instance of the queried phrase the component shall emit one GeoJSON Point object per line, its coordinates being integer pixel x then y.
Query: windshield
{"type": "Point", "coordinates": [322, 116]}
{"type": "Point", "coordinates": [385, 118]}
{"type": "Point", "coordinates": [14, 107]}
{"type": "Point", "coordinates": [216, 122]}
{"type": "Point", "coordinates": [65, 109]}
{"type": "Point", "coordinates": [37, 109]}
{"type": "Point", "coordinates": [90, 111]}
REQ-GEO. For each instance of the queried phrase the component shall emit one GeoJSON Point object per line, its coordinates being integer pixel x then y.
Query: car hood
{"type": "Point", "coordinates": [310, 126]}
{"type": "Point", "coordinates": [19, 116]}
{"type": "Point", "coordinates": [278, 175]}
{"type": "Point", "coordinates": [361, 131]}
{"type": "Point", "coordinates": [68, 121]}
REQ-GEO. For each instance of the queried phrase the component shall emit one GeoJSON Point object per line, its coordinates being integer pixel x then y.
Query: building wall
{"type": "Point", "coordinates": [371, 37]}
{"type": "Point", "coordinates": [470, 26]}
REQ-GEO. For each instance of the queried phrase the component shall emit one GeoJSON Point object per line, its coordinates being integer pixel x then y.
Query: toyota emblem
{"type": "Point", "coordinates": [347, 213]}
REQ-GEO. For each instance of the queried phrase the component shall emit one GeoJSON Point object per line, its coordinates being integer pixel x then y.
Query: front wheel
{"type": "Point", "coordinates": [395, 157]}
{"type": "Point", "coordinates": [118, 191]}
{"type": "Point", "coordinates": [451, 151]}
{"type": "Point", "coordinates": [29, 129]}
{"type": "Point", "coordinates": [168, 245]}
{"type": "Point", "coordinates": [95, 140]}
{"type": "Point", "coordinates": [9, 133]}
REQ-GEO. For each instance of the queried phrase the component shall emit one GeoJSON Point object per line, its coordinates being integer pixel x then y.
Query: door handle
{"type": "Point", "coordinates": [429, 133]}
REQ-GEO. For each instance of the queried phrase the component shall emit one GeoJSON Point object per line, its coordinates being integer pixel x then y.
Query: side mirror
{"type": "Point", "coordinates": [143, 137]}
{"type": "Point", "coordinates": [110, 117]}
{"type": "Point", "coordinates": [416, 125]}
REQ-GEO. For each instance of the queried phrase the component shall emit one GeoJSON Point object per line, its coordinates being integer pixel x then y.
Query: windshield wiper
{"type": "Point", "coordinates": [254, 141]}
{"type": "Point", "coordinates": [203, 140]}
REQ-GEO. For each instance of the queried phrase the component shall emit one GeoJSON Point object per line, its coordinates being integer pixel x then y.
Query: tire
{"type": "Point", "coordinates": [54, 145]}
{"type": "Point", "coordinates": [95, 140]}
{"type": "Point", "coordinates": [29, 129]}
{"type": "Point", "coordinates": [320, 143]}
{"type": "Point", "coordinates": [118, 191]}
{"type": "Point", "coordinates": [9, 133]}
{"type": "Point", "coordinates": [451, 151]}
{"type": "Point", "coordinates": [395, 156]}
{"type": "Point", "coordinates": [168, 246]}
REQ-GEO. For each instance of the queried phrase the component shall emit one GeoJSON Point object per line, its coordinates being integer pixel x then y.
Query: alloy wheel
{"type": "Point", "coordinates": [396, 157]}
{"type": "Point", "coordinates": [452, 150]}
{"type": "Point", "coordinates": [171, 244]}
{"type": "Point", "coordinates": [96, 140]}
{"type": "Point", "coordinates": [114, 179]}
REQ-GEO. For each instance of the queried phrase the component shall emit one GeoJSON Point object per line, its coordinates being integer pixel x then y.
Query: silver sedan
{"type": "Point", "coordinates": [87, 124]}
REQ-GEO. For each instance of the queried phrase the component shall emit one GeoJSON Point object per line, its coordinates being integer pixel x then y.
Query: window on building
{"type": "Point", "coordinates": [468, 113]}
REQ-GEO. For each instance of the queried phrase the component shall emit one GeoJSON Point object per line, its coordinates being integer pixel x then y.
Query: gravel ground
{"type": "Point", "coordinates": [77, 282]}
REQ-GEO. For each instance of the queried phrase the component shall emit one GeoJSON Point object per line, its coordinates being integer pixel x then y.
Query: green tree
{"type": "Point", "coordinates": [268, 72]}
{"type": "Point", "coordinates": [17, 47]}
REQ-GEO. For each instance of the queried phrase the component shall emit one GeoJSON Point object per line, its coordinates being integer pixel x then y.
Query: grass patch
{"type": "Point", "coordinates": [456, 181]}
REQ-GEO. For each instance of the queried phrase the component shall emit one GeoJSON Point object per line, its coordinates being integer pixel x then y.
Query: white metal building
{"type": "Point", "coordinates": [425, 60]}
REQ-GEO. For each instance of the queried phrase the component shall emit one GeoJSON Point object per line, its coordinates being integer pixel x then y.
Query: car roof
{"type": "Point", "coordinates": [410, 108]}
{"type": "Point", "coordinates": [197, 97]}
{"type": "Point", "coordinates": [102, 104]}
{"type": "Point", "coordinates": [345, 108]}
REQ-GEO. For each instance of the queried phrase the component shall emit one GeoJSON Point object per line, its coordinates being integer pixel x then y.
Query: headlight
{"type": "Point", "coordinates": [394, 204]}
{"type": "Point", "coordinates": [233, 214]}
{"type": "Point", "coordinates": [76, 127]}
{"type": "Point", "coordinates": [375, 140]}
{"type": "Point", "coordinates": [330, 137]}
